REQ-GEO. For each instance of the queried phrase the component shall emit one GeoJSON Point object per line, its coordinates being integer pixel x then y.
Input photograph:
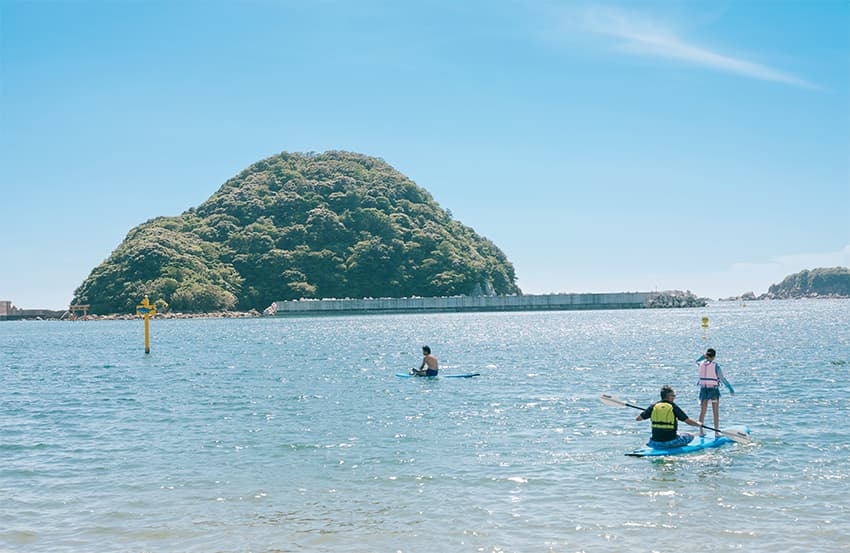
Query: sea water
{"type": "Point", "coordinates": [293, 434]}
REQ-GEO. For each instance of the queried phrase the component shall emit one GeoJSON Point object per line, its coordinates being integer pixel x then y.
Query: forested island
{"type": "Point", "coordinates": [824, 282]}
{"type": "Point", "coordinates": [329, 225]}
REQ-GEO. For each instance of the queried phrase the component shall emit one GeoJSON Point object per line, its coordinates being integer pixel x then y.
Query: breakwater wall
{"type": "Point", "coordinates": [547, 302]}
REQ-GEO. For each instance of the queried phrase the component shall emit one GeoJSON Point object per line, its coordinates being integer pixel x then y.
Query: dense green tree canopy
{"type": "Point", "coordinates": [336, 224]}
{"type": "Point", "coordinates": [831, 281]}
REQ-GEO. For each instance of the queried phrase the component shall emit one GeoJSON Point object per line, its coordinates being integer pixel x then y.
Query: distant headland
{"type": "Point", "coordinates": [832, 282]}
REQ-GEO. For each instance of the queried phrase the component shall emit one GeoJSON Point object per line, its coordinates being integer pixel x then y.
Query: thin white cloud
{"type": "Point", "coordinates": [640, 35]}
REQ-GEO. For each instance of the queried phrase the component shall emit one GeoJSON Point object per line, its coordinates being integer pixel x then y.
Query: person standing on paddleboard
{"type": "Point", "coordinates": [710, 377]}
{"type": "Point", "coordinates": [665, 416]}
{"type": "Point", "coordinates": [430, 366]}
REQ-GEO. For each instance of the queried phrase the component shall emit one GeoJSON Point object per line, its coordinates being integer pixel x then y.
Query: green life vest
{"type": "Point", "coordinates": [662, 416]}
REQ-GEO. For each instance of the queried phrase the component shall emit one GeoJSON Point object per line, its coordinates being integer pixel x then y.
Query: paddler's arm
{"type": "Point", "coordinates": [724, 381]}
{"type": "Point", "coordinates": [692, 422]}
{"type": "Point", "coordinates": [683, 417]}
{"type": "Point", "coordinates": [419, 371]}
{"type": "Point", "coordinates": [645, 414]}
{"type": "Point", "coordinates": [698, 361]}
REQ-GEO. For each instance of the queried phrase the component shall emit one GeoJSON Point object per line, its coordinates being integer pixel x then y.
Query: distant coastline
{"type": "Point", "coordinates": [63, 315]}
{"type": "Point", "coordinates": [750, 296]}
{"type": "Point", "coordinates": [821, 283]}
{"type": "Point", "coordinates": [543, 302]}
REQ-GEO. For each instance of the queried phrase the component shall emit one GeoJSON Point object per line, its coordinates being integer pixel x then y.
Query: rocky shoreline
{"type": "Point", "coordinates": [675, 298]}
{"type": "Point", "coordinates": [63, 316]}
{"type": "Point", "coordinates": [750, 296]}
{"type": "Point", "coordinates": [213, 315]}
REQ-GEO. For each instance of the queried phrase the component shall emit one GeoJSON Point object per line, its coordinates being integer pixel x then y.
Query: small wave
{"type": "Point", "coordinates": [24, 447]}
{"type": "Point", "coordinates": [302, 447]}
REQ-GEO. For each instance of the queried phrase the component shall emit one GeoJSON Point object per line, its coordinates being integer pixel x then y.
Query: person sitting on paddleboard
{"type": "Point", "coordinates": [665, 416]}
{"type": "Point", "coordinates": [710, 377]}
{"type": "Point", "coordinates": [429, 361]}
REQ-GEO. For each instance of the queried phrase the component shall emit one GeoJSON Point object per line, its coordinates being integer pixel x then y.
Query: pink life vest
{"type": "Point", "coordinates": [708, 374]}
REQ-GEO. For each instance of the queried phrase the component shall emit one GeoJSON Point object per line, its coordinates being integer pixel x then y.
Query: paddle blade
{"type": "Point", "coordinates": [734, 435]}
{"type": "Point", "coordinates": [737, 436]}
{"type": "Point", "coordinates": [612, 401]}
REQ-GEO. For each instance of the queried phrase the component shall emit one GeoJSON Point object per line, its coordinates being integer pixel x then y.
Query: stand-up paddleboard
{"type": "Point", "coordinates": [697, 444]}
{"type": "Point", "coordinates": [740, 434]}
{"type": "Point", "coordinates": [462, 375]}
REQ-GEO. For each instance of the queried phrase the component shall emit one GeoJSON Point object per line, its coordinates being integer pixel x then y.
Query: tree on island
{"type": "Point", "coordinates": [335, 224]}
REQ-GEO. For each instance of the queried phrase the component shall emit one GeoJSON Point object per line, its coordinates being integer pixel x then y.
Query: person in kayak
{"type": "Point", "coordinates": [665, 416]}
{"type": "Point", "coordinates": [710, 377]}
{"type": "Point", "coordinates": [430, 366]}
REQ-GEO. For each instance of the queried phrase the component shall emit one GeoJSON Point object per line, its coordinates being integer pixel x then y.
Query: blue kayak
{"type": "Point", "coordinates": [697, 444]}
{"type": "Point", "coordinates": [462, 375]}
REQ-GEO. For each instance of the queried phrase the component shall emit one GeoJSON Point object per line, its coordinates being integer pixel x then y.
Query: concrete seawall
{"type": "Point", "coordinates": [548, 302]}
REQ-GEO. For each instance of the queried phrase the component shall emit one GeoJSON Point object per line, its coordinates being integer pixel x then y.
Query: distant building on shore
{"type": "Point", "coordinates": [8, 311]}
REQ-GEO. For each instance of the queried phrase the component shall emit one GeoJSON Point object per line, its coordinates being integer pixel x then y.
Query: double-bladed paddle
{"type": "Point", "coordinates": [733, 435]}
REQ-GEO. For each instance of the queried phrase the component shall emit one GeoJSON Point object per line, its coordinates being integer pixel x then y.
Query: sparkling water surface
{"type": "Point", "coordinates": [279, 434]}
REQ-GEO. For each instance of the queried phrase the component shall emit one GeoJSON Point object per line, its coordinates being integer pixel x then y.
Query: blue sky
{"type": "Point", "coordinates": [604, 146]}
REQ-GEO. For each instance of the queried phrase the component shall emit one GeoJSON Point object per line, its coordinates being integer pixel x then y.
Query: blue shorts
{"type": "Point", "coordinates": [431, 372]}
{"type": "Point", "coordinates": [709, 394]}
{"type": "Point", "coordinates": [683, 439]}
